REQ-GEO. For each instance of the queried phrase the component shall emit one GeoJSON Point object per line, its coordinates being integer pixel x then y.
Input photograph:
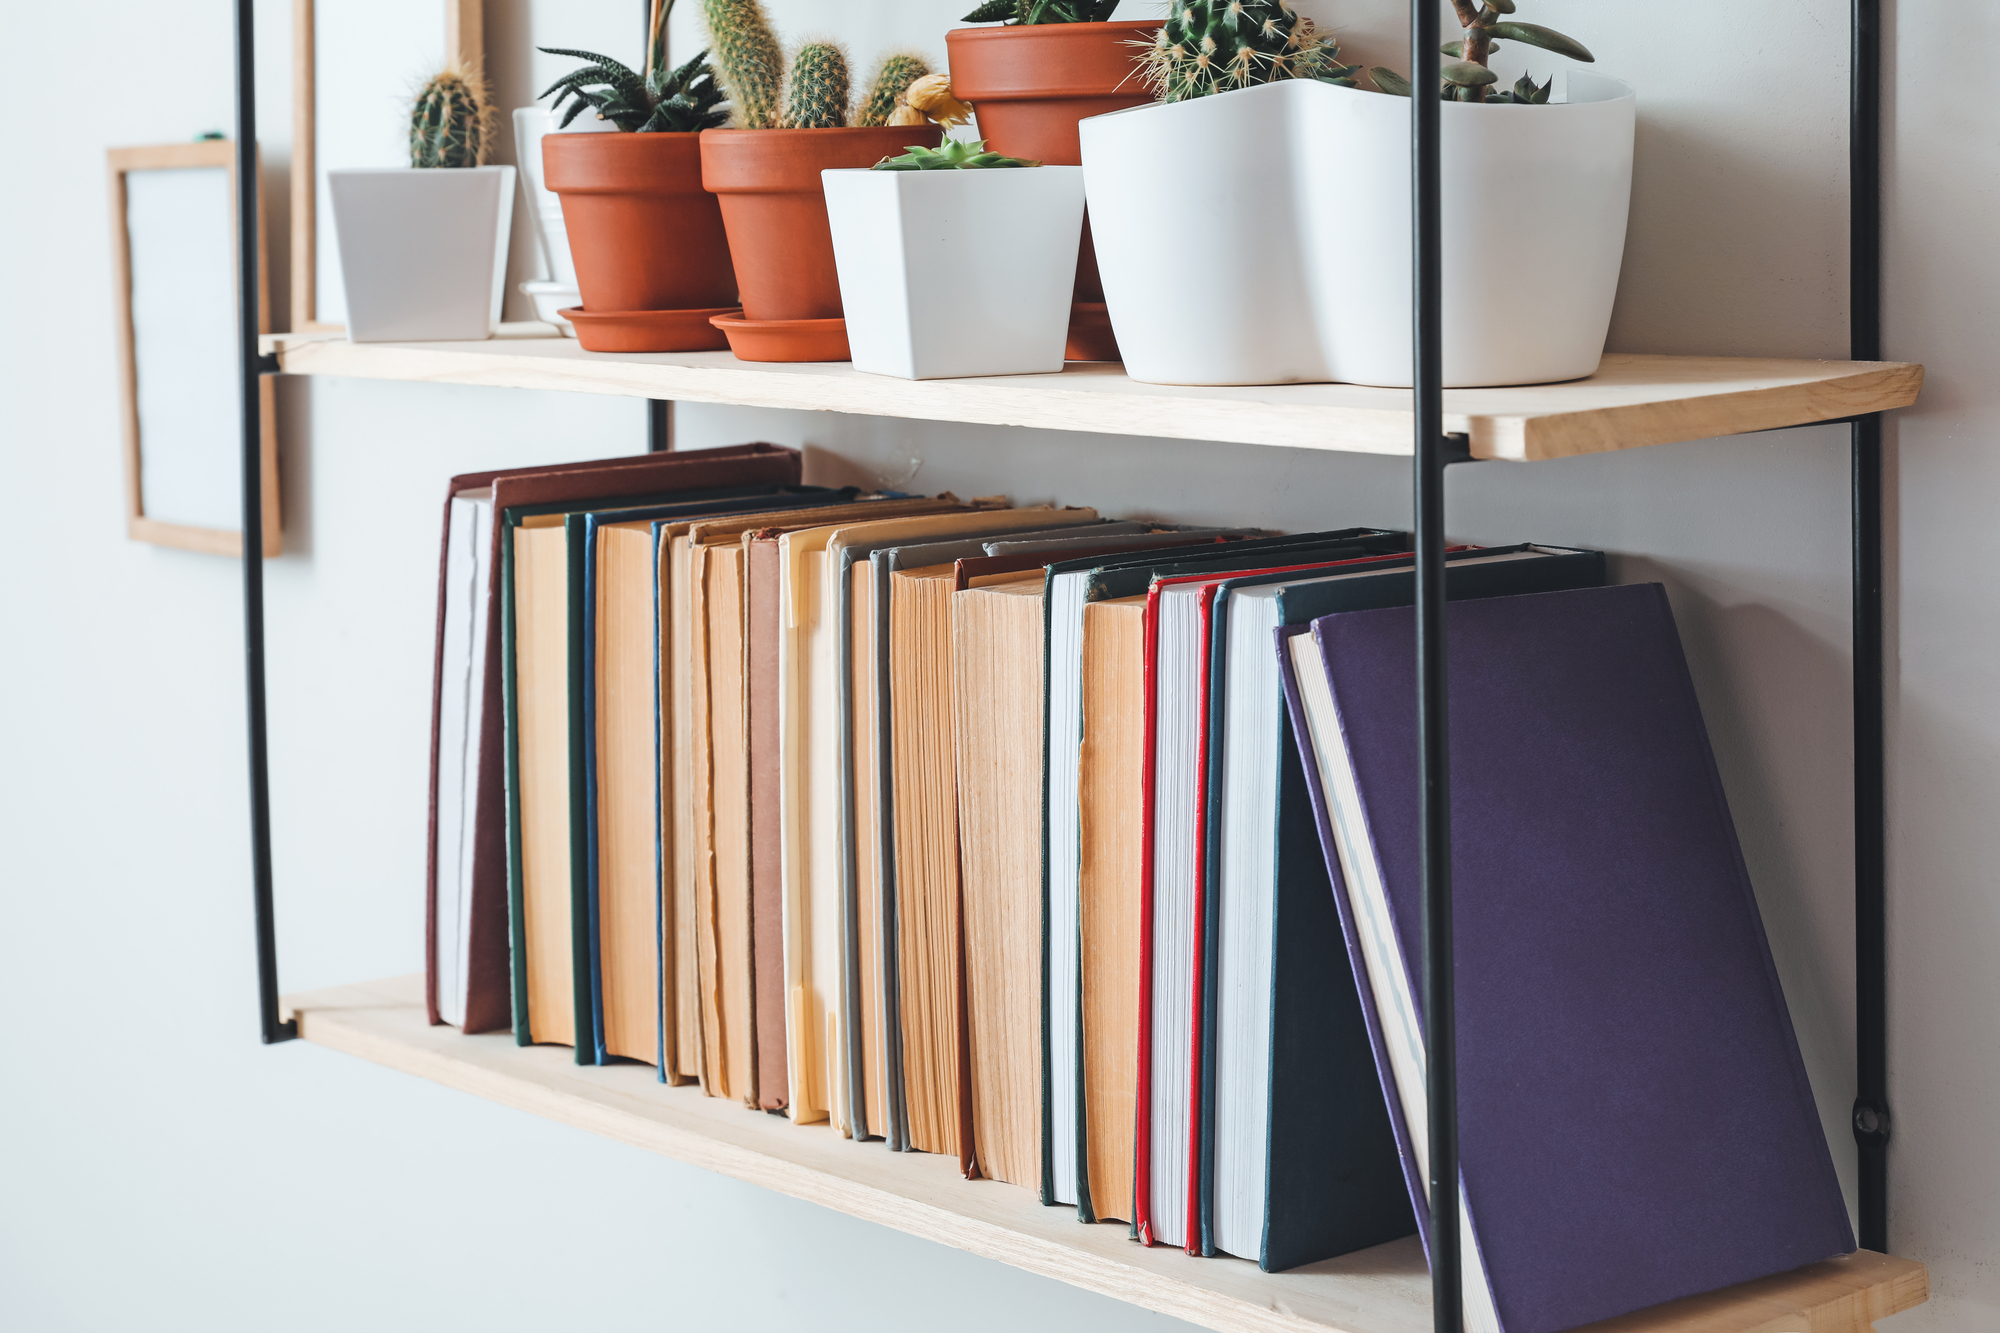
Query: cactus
{"type": "Point", "coordinates": [1042, 11]}
{"type": "Point", "coordinates": [893, 76]}
{"type": "Point", "coordinates": [1467, 78]}
{"type": "Point", "coordinates": [954, 155]}
{"type": "Point", "coordinates": [752, 63]}
{"type": "Point", "coordinates": [817, 94]}
{"type": "Point", "coordinates": [1212, 46]}
{"type": "Point", "coordinates": [451, 122]}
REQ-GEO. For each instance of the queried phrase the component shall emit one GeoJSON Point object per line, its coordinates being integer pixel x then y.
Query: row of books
{"type": "Point", "coordinates": [1085, 851]}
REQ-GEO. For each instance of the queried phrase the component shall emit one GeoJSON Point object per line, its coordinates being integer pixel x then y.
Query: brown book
{"type": "Point", "coordinates": [997, 665]}
{"type": "Point", "coordinates": [541, 729]}
{"type": "Point", "coordinates": [1110, 799]}
{"type": "Point", "coordinates": [481, 862]}
{"type": "Point", "coordinates": [767, 886]}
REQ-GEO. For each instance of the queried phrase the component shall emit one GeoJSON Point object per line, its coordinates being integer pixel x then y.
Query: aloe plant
{"type": "Point", "coordinates": [676, 101]}
{"type": "Point", "coordinates": [1468, 78]}
{"type": "Point", "coordinates": [1016, 12]}
{"type": "Point", "coordinates": [954, 155]}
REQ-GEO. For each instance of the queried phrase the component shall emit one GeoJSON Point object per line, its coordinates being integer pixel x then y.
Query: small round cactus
{"type": "Point", "coordinates": [450, 121]}
{"type": "Point", "coordinates": [818, 93]}
{"type": "Point", "coordinates": [1212, 46]}
{"type": "Point", "coordinates": [750, 61]}
{"type": "Point", "coordinates": [893, 77]}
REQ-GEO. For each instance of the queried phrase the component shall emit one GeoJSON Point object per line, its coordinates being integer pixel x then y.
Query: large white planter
{"type": "Point", "coordinates": [954, 273]}
{"type": "Point", "coordinates": [423, 253]}
{"type": "Point", "coordinates": [1263, 236]}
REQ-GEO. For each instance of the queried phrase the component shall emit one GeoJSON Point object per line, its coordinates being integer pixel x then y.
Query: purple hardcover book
{"type": "Point", "coordinates": [1634, 1116]}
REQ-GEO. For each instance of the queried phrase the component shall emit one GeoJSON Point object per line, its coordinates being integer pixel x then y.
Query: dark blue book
{"type": "Point", "coordinates": [1634, 1116]}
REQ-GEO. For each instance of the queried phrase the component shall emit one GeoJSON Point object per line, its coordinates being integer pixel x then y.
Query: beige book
{"type": "Point", "coordinates": [720, 569]}
{"type": "Point", "coordinates": [997, 664]}
{"type": "Point", "coordinates": [541, 693]}
{"type": "Point", "coordinates": [1110, 796]}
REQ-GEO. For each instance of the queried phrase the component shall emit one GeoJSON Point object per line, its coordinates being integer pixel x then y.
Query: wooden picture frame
{"type": "Point", "coordinates": [139, 524]}
{"type": "Point", "coordinates": [464, 42]}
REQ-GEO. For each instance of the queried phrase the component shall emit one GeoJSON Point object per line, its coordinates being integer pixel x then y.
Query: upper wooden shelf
{"type": "Point", "coordinates": [1632, 400]}
{"type": "Point", "coordinates": [1383, 1290]}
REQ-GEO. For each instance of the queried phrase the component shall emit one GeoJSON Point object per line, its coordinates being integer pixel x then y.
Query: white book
{"type": "Point", "coordinates": [461, 696]}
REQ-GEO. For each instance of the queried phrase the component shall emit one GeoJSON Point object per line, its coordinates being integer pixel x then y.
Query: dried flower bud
{"type": "Point", "coordinates": [905, 114]}
{"type": "Point", "coordinates": [932, 95]}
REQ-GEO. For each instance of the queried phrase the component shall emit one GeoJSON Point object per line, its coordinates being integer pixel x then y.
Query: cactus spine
{"type": "Point", "coordinates": [752, 63]}
{"type": "Point", "coordinates": [1212, 46]}
{"type": "Point", "coordinates": [450, 121]}
{"type": "Point", "coordinates": [819, 89]}
{"type": "Point", "coordinates": [893, 77]}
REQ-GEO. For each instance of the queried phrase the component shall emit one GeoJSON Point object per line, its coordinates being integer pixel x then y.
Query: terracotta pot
{"type": "Point", "coordinates": [775, 210]}
{"type": "Point", "coordinates": [644, 234]}
{"type": "Point", "coordinates": [1030, 85]}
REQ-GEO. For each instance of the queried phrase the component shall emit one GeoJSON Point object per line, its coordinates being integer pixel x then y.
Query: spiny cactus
{"type": "Point", "coordinates": [1467, 78]}
{"type": "Point", "coordinates": [1042, 11]}
{"type": "Point", "coordinates": [817, 94]}
{"type": "Point", "coordinates": [1212, 46]}
{"type": "Point", "coordinates": [752, 64]}
{"type": "Point", "coordinates": [451, 122]}
{"type": "Point", "coordinates": [892, 79]}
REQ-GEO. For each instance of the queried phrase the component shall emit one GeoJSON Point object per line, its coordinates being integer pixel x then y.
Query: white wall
{"type": "Point", "coordinates": [161, 1170]}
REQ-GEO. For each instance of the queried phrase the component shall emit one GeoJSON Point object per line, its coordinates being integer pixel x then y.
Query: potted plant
{"type": "Point", "coordinates": [765, 170]}
{"type": "Point", "coordinates": [651, 258]}
{"type": "Point", "coordinates": [1537, 183]}
{"type": "Point", "coordinates": [1048, 65]}
{"type": "Point", "coordinates": [423, 250]}
{"type": "Point", "coordinates": [908, 235]}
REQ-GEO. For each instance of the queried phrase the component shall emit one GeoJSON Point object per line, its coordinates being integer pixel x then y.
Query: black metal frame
{"type": "Point", "coordinates": [1433, 451]}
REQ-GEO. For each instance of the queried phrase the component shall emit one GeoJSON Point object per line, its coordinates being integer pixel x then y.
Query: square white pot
{"type": "Point", "coordinates": [954, 273]}
{"type": "Point", "coordinates": [423, 253]}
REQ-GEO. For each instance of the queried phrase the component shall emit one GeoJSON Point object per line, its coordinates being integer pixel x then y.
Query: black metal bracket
{"type": "Point", "coordinates": [267, 364]}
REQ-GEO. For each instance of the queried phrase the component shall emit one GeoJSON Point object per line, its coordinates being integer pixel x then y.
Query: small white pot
{"type": "Point", "coordinates": [544, 205]}
{"type": "Point", "coordinates": [1263, 236]}
{"type": "Point", "coordinates": [551, 299]}
{"type": "Point", "coordinates": [423, 253]}
{"type": "Point", "coordinates": [953, 273]}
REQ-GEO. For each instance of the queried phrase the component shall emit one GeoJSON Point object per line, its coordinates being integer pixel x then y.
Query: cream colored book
{"type": "Point", "coordinates": [541, 636]}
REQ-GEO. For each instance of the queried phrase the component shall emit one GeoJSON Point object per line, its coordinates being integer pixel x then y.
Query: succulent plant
{"type": "Point", "coordinates": [954, 155]}
{"type": "Point", "coordinates": [451, 121]}
{"type": "Point", "coordinates": [1467, 78]}
{"type": "Point", "coordinates": [817, 94]}
{"type": "Point", "coordinates": [1042, 11]}
{"type": "Point", "coordinates": [677, 101]}
{"type": "Point", "coordinates": [752, 64]}
{"type": "Point", "coordinates": [1212, 46]}
{"type": "Point", "coordinates": [894, 74]}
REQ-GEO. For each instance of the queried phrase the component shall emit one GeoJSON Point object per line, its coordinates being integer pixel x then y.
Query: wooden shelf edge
{"type": "Point", "coordinates": [1383, 1290]}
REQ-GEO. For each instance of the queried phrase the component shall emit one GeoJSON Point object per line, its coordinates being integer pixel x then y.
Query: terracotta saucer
{"type": "Point", "coordinates": [1090, 336]}
{"type": "Point", "coordinates": [647, 330]}
{"type": "Point", "coordinates": [784, 339]}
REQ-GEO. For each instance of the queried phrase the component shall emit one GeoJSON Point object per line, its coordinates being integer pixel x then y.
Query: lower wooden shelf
{"type": "Point", "coordinates": [1383, 1290]}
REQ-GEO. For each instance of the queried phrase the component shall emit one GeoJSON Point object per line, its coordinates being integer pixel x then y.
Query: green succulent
{"type": "Point", "coordinates": [1042, 11]}
{"type": "Point", "coordinates": [752, 63]}
{"type": "Point", "coordinates": [954, 155]}
{"type": "Point", "coordinates": [676, 101]}
{"type": "Point", "coordinates": [1212, 46]}
{"type": "Point", "coordinates": [450, 121]}
{"type": "Point", "coordinates": [893, 77]}
{"type": "Point", "coordinates": [1468, 79]}
{"type": "Point", "coordinates": [817, 94]}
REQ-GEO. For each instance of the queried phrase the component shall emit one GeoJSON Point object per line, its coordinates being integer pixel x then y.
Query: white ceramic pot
{"type": "Point", "coordinates": [953, 273]}
{"type": "Point", "coordinates": [1263, 236]}
{"type": "Point", "coordinates": [544, 205]}
{"type": "Point", "coordinates": [423, 253]}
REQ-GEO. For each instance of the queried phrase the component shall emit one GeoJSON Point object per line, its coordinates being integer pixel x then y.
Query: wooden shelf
{"type": "Point", "coordinates": [1632, 400]}
{"type": "Point", "coordinates": [1383, 1290]}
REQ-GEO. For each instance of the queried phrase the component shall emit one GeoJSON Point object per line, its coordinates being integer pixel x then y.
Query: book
{"type": "Point", "coordinates": [1297, 1160]}
{"type": "Point", "coordinates": [1072, 586]}
{"type": "Point", "coordinates": [467, 778]}
{"type": "Point", "coordinates": [1635, 1121]}
{"type": "Point", "coordinates": [997, 681]}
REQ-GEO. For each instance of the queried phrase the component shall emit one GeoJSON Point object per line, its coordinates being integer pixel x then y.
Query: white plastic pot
{"type": "Point", "coordinates": [1263, 236]}
{"type": "Point", "coordinates": [953, 273]}
{"type": "Point", "coordinates": [423, 253]}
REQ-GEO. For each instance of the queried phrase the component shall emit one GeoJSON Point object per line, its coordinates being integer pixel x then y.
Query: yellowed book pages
{"type": "Point", "coordinates": [867, 853]}
{"type": "Point", "coordinates": [628, 878]}
{"type": "Point", "coordinates": [997, 733]}
{"type": "Point", "coordinates": [1110, 781]}
{"type": "Point", "coordinates": [541, 711]}
{"type": "Point", "coordinates": [721, 573]}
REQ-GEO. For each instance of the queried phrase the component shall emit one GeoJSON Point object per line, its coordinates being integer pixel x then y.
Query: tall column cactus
{"type": "Point", "coordinates": [893, 77]}
{"type": "Point", "coordinates": [819, 90]}
{"type": "Point", "coordinates": [450, 121]}
{"type": "Point", "coordinates": [752, 64]}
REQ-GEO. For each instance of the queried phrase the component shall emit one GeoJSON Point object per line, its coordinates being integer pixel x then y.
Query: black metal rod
{"type": "Point", "coordinates": [659, 425]}
{"type": "Point", "coordinates": [250, 386]}
{"type": "Point", "coordinates": [1434, 759]}
{"type": "Point", "coordinates": [1871, 1019]}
